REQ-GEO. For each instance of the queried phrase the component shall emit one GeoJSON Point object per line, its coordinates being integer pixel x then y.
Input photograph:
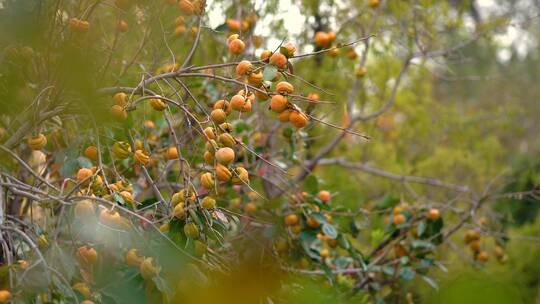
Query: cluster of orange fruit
{"type": "Point", "coordinates": [279, 103]}
{"type": "Point", "coordinates": [472, 238]}
{"type": "Point", "coordinates": [296, 225]}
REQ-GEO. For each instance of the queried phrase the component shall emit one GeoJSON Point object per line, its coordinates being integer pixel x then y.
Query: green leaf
{"type": "Point", "coordinates": [222, 28]}
{"type": "Point", "coordinates": [343, 242]}
{"type": "Point", "coordinates": [431, 282]}
{"type": "Point", "coordinates": [386, 202]}
{"type": "Point", "coordinates": [311, 184]}
{"type": "Point", "coordinates": [421, 228]}
{"type": "Point", "coordinates": [69, 167]}
{"type": "Point", "coordinates": [269, 72]}
{"type": "Point", "coordinates": [329, 230]}
{"type": "Point", "coordinates": [84, 162]}
{"type": "Point", "coordinates": [162, 285]}
{"type": "Point", "coordinates": [421, 244]}
{"type": "Point", "coordinates": [407, 273]}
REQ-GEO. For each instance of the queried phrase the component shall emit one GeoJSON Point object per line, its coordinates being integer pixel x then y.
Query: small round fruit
{"type": "Point", "coordinates": [227, 140]}
{"type": "Point", "coordinates": [324, 196]}
{"type": "Point", "coordinates": [87, 255]}
{"type": "Point", "coordinates": [225, 155]}
{"type": "Point", "coordinates": [298, 119]}
{"type": "Point", "coordinates": [223, 174]}
{"type": "Point", "coordinates": [279, 60]}
{"type": "Point", "coordinates": [312, 222]}
{"type": "Point", "coordinates": [172, 153]}
{"type": "Point", "coordinates": [333, 52]}
{"type": "Point", "coordinates": [291, 219]}
{"type": "Point", "coordinates": [265, 55]}
{"type": "Point", "coordinates": [209, 157]}
{"type": "Point", "coordinates": [191, 230]}
{"type": "Point", "coordinates": [471, 235]}
{"type": "Point", "coordinates": [360, 72]}
{"type": "Point", "coordinates": [91, 152]}
{"type": "Point", "coordinates": [243, 67]}
{"type": "Point", "coordinates": [255, 79]}
{"type": "Point", "coordinates": [373, 3]}
{"type": "Point", "coordinates": [238, 103]}
{"type": "Point", "coordinates": [433, 214]}
{"type": "Point", "coordinates": [210, 133]}
{"type": "Point", "coordinates": [236, 46]}
{"type": "Point", "coordinates": [147, 269]}
{"type": "Point", "coordinates": [122, 26]}
{"type": "Point", "coordinates": [241, 176]}
{"type": "Point", "coordinates": [141, 158]}
{"type": "Point", "coordinates": [399, 219]}
{"type": "Point", "coordinates": [475, 246]}
{"type": "Point", "coordinates": [278, 103]}
{"type": "Point", "coordinates": [325, 252]}
{"type": "Point", "coordinates": [37, 142]}
{"type": "Point", "coordinates": [288, 49]}
{"type": "Point", "coordinates": [179, 211]}
{"type": "Point", "coordinates": [186, 7]}
{"type": "Point", "coordinates": [322, 39]}
{"type": "Point", "coordinates": [207, 180]}
{"type": "Point", "coordinates": [84, 174]}
{"type": "Point", "coordinates": [284, 88]}
{"type": "Point", "coordinates": [218, 116]}
{"type": "Point", "coordinates": [224, 105]}
{"type": "Point", "coordinates": [118, 112]}
{"type": "Point", "coordinates": [313, 97]}
{"type": "Point", "coordinates": [120, 99]}
{"type": "Point", "coordinates": [132, 258]}
{"type": "Point", "coordinates": [482, 256]}
{"type": "Point", "coordinates": [158, 104]}
{"type": "Point", "coordinates": [284, 116]}
{"type": "Point", "coordinates": [208, 203]}
{"type": "Point", "coordinates": [250, 208]}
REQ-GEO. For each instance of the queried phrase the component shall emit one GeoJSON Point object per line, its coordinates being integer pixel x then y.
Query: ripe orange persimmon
{"type": "Point", "coordinates": [223, 174]}
{"type": "Point", "coordinates": [399, 219]}
{"type": "Point", "coordinates": [37, 142]}
{"type": "Point", "coordinates": [298, 119]}
{"type": "Point", "coordinates": [140, 157]}
{"type": "Point", "coordinates": [158, 104]}
{"type": "Point", "coordinates": [236, 46]}
{"type": "Point", "coordinates": [361, 72]}
{"type": "Point", "coordinates": [242, 67]}
{"type": "Point", "coordinates": [238, 102]}
{"type": "Point", "coordinates": [186, 7]}
{"type": "Point", "coordinates": [291, 219]}
{"type": "Point", "coordinates": [288, 49]}
{"type": "Point", "coordinates": [279, 60]}
{"type": "Point", "coordinates": [312, 222]}
{"type": "Point", "coordinates": [172, 153]}
{"type": "Point", "coordinates": [84, 174]}
{"type": "Point", "coordinates": [433, 214]}
{"type": "Point", "coordinates": [122, 26]}
{"type": "Point", "coordinates": [120, 99]}
{"type": "Point", "coordinates": [322, 39]}
{"type": "Point", "coordinates": [324, 196]}
{"type": "Point", "coordinates": [284, 88]}
{"type": "Point", "coordinates": [278, 103]}
{"type": "Point", "coordinates": [240, 176]}
{"type": "Point", "coordinates": [233, 24]}
{"type": "Point", "coordinates": [250, 208]}
{"type": "Point", "coordinates": [118, 112]}
{"type": "Point", "coordinates": [218, 116]}
{"type": "Point", "coordinates": [265, 55]}
{"type": "Point", "coordinates": [225, 155]}
{"type": "Point", "coordinates": [285, 115]}
{"type": "Point", "coordinates": [255, 79]}
{"type": "Point", "coordinates": [91, 152]}
{"type": "Point", "coordinates": [373, 3]}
